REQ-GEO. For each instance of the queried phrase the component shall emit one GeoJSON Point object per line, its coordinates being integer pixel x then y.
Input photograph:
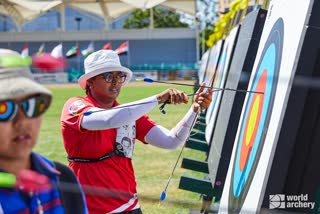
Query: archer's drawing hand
{"type": "Point", "coordinates": [172, 96]}
{"type": "Point", "coordinates": [202, 99]}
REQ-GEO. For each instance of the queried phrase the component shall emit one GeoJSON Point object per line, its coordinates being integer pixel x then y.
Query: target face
{"type": "Point", "coordinates": [218, 82]}
{"type": "Point", "coordinates": [217, 79]}
{"type": "Point", "coordinates": [256, 118]}
{"type": "Point", "coordinates": [213, 61]}
{"type": "Point", "coordinates": [203, 66]}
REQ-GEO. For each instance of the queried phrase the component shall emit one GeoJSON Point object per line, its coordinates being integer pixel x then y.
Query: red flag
{"type": "Point", "coordinates": [107, 46]}
{"type": "Point", "coordinates": [25, 51]}
{"type": "Point", "coordinates": [123, 48]}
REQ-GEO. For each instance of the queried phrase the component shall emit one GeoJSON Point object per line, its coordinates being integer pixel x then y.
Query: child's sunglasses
{"type": "Point", "coordinates": [32, 107]}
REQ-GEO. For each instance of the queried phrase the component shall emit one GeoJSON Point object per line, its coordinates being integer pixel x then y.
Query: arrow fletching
{"type": "Point", "coordinates": [148, 80]}
{"type": "Point", "coordinates": [163, 196]}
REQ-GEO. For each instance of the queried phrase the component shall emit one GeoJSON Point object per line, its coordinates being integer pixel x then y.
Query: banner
{"type": "Point", "coordinates": [49, 78]}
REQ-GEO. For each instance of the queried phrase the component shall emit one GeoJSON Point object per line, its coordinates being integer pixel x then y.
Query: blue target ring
{"type": "Point", "coordinates": [268, 66]}
{"type": "Point", "coordinates": [7, 109]}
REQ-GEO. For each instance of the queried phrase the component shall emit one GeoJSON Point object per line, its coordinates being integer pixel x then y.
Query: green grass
{"type": "Point", "coordinates": [153, 166]}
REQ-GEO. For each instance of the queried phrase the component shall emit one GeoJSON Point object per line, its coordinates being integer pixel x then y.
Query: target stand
{"type": "Point", "coordinates": [295, 168]}
{"type": "Point", "coordinates": [277, 139]}
{"type": "Point", "coordinates": [237, 77]}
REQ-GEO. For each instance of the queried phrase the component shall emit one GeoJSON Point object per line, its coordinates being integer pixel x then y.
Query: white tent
{"type": "Point", "coordinates": [187, 6]}
{"type": "Point", "coordinates": [108, 9]}
{"type": "Point", "coordinates": [22, 11]}
{"type": "Point", "coordinates": [25, 10]}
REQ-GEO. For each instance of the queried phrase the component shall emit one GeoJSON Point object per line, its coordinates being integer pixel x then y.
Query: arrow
{"type": "Point", "coordinates": [184, 84]}
{"type": "Point", "coordinates": [27, 180]}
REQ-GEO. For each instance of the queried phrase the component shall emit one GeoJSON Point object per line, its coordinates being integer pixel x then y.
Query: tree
{"type": "Point", "coordinates": [206, 16]}
{"type": "Point", "coordinates": [203, 37]}
{"type": "Point", "coordinates": [207, 12]}
{"type": "Point", "coordinates": [163, 18]}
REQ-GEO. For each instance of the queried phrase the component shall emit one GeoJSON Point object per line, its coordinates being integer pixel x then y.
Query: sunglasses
{"type": "Point", "coordinates": [32, 107]}
{"type": "Point", "coordinates": [120, 78]}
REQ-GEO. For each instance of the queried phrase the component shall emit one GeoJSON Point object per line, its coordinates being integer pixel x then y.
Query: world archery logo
{"type": "Point", "coordinates": [281, 201]}
{"type": "Point", "coordinates": [76, 106]}
{"type": "Point", "coordinates": [277, 201]}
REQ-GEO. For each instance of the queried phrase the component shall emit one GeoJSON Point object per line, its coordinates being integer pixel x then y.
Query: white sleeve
{"type": "Point", "coordinates": [163, 138]}
{"type": "Point", "coordinates": [115, 117]}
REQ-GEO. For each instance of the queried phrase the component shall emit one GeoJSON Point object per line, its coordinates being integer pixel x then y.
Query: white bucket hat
{"type": "Point", "coordinates": [15, 77]}
{"type": "Point", "coordinates": [100, 62]}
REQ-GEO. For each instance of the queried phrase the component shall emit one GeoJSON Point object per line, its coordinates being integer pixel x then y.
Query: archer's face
{"type": "Point", "coordinates": [18, 136]}
{"type": "Point", "coordinates": [108, 85]}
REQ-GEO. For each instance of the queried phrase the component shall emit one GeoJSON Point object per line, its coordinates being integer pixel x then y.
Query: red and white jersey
{"type": "Point", "coordinates": [115, 174]}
